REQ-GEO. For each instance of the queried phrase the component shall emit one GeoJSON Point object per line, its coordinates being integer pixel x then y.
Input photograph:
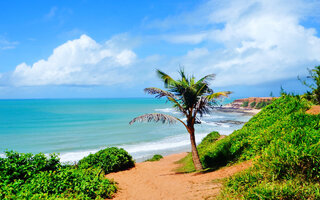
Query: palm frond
{"type": "Point", "coordinates": [156, 117]}
{"type": "Point", "coordinates": [201, 88]}
{"type": "Point", "coordinates": [168, 81]}
{"type": "Point", "coordinates": [184, 78]}
{"type": "Point", "coordinates": [162, 93]}
{"type": "Point", "coordinates": [202, 107]}
{"type": "Point", "coordinates": [206, 78]}
{"type": "Point", "coordinates": [216, 95]}
{"type": "Point", "coordinates": [159, 92]}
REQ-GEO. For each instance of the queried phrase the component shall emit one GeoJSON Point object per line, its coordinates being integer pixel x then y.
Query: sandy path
{"type": "Point", "coordinates": [157, 180]}
{"type": "Point", "coordinates": [314, 110]}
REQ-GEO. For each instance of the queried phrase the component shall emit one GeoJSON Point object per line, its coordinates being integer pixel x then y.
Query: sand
{"type": "Point", "coordinates": [314, 110]}
{"type": "Point", "coordinates": [158, 180]}
{"type": "Point", "coordinates": [229, 108]}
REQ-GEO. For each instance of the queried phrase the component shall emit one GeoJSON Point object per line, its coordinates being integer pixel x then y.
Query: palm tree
{"type": "Point", "coordinates": [189, 97]}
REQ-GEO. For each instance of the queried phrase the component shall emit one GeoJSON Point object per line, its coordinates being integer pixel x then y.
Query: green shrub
{"type": "Point", "coordinates": [253, 104]}
{"type": "Point", "coordinates": [261, 104]}
{"type": "Point", "coordinates": [245, 104]}
{"type": "Point", "coordinates": [209, 139]}
{"type": "Point", "coordinates": [22, 166]}
{"type": "Point", "coordinates": [27, 176]}
{"type": "Point", "coordinates": [155, 157]}
{"type": "Point", "coordinates": [109, 160]}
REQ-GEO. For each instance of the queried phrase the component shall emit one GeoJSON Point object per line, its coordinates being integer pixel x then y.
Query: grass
{"type": "Point", "coordinates": [284, 142]}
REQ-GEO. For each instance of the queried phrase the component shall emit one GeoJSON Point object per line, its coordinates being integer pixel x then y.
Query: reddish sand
{"type": "Point", "coordinates": [314, 110]}
{"type": "Point", "coordinates": [158, 180]}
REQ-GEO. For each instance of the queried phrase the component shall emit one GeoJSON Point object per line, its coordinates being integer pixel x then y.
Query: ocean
{"type": "Point", "coordinates": [74, 128]}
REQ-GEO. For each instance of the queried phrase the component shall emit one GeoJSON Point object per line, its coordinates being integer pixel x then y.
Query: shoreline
{"type": "Point", "coordinates": [231, 109]}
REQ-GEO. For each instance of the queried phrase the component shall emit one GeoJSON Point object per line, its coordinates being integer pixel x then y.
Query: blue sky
{"type": "Point", "coordinates": [89, 49]}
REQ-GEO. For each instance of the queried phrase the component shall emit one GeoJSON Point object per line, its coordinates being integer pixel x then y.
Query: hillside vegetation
{"type": "Point", "coordinates": [284, 142]}
{"type": "Point", "coordinates": [28, 176]}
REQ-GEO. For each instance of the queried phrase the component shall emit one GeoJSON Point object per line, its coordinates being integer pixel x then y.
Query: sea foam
{"type": "Point", "coordinates": [172, 144]}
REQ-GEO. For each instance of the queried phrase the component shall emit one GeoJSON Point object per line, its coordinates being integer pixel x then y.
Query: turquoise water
{"type": "Point", "coordinates": [76, 127]}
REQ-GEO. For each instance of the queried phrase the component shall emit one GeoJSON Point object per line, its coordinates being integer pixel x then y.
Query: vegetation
{"type": "Point", "coordinates": [289, 162]}
{"type": "Point", "coordinates": [245, 104]}
{"type": "Point", "coordinates": [284, 143]}
{"type": "Point", "coordinates": [263, 104]}
{"type": "Point", "coordinates": [109, 160]}
{"type": "Point", "coordinates": [155, 157]}
{"type": "Point", "coordinates": [27, 176]}
{"type": "Point", "coordinates": [314, 93]}
{"type": "Point", "coordinates": [189, 97]}
{"type": "Point", "coordinates": [253, 104]}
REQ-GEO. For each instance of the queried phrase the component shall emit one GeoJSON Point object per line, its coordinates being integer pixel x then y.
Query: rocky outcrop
{"type": "Point", "coordinates": [252, 102]}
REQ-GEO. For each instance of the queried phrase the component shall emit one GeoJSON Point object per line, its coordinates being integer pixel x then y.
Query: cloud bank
{"type": "Point", "coordinates": [81, 61]}
{"type": "Point", "coordinates": [246, 42]}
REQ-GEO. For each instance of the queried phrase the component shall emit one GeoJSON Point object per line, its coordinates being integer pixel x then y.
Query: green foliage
{"type": "Point", "coordinates": [314, 93]}
{"type": "Point", "coordinates": [245, 104]}
{"type": "Point", "coordinates": [109, 160]}
{"type": "Point", "coordinates": [155, 157]}
{"type": "Point", "coordinates": [22, 166]}
{"type": "Point", "coordinates": [255, 184]}
{"type": "Point", "coordinates": [27, 176]}
{"type": "Point", "coordinates": [272, 123]}
{"type": "Point", "coordinates": [209, 139]}
{"type": "Point", "coordinates": [285, 143]}
{"type": "Point", "coordinates": [253, 104]}
{"type": "Point", "coordinates": [261, 104]}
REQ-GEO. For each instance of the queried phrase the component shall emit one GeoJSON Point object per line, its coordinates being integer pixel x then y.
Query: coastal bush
{"type": "Point", "coordinates": [111, 159]}
{"type": "Point", "coordinates": [284, 142]}
{"type": "Point", "coordinates": [28, 176]}
{"type": "Point", "coordinates": [245, 104]}
{"type": "Point", "coordinates": [273, 122]}
{"type": "Point", "coordinates": [209, 139]}
{"type": "Point", "coordinates": [155, 157]}
{"type": "Point", "coordinates": [253, 104]}
{"type": "Point", "coordinates": [261, 104]}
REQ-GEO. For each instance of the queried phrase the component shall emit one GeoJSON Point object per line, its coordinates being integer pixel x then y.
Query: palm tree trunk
{"type": "Point", "coordinates": [194, 151]}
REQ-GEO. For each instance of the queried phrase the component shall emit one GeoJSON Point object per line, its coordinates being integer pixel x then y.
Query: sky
{"type": "Point", "coordinates": [111, 49]}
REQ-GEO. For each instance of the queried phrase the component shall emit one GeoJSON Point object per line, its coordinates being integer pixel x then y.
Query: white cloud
{"type": "Point", "coordinates": [6, 44]}
{"type": "Point", "coordinates": [194, 38]}
{"type": "Point", "coordinates": [259, 40]}
{"type": "Point", "coordinates": [81, 61]}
